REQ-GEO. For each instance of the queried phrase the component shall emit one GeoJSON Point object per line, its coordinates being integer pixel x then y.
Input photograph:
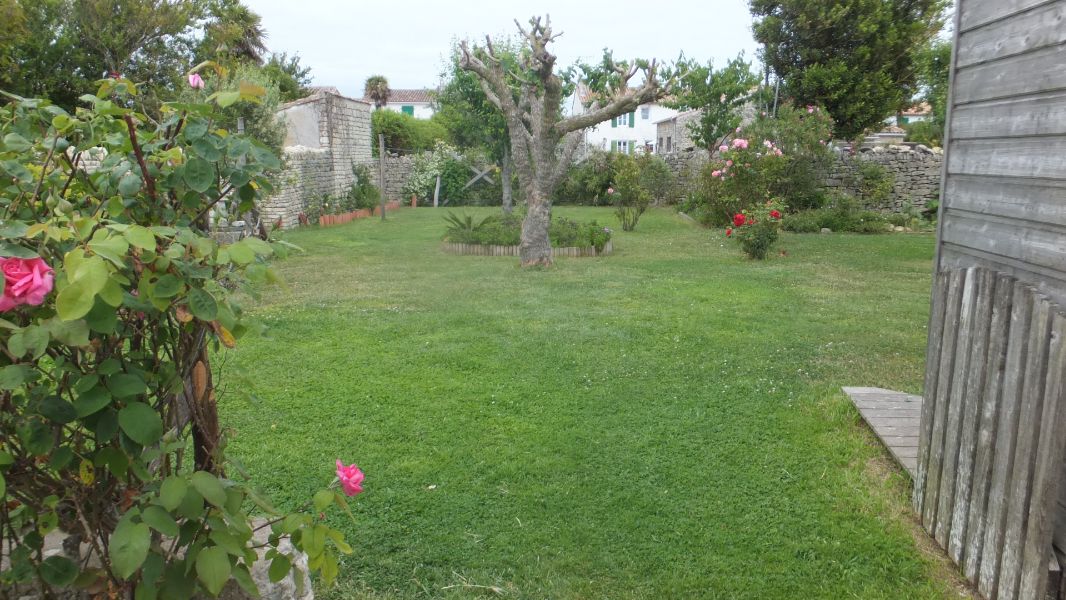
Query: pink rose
{"type": "Point", "coordinates": [351, 478]}
{"type": "Point", "coordinates": [723, 148]}
{"type": "Point", "coordinates": [610, 190]}
{"type": "Point", "coordinates": [740, 143]}
{"type": "Point", "coordinates": [729, 163]}
{"type": "Point", "coordinates": [26, 281]}
{"type": "Point", "coordinates": [768, 143]}
{"type": "Point", "coordinates": [195, 81]}
{"type": "Point", "coordinates": [810, 109]}
{"type": "Point", "coordinates": [715, 173]}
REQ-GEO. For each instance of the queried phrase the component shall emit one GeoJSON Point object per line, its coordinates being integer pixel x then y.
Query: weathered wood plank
{"type": "Point", "coordinates": [986, 430]}
{"type": "Point", "coordinates": [1006, 432]}
{"type": "Point", "coordinates": [970, 409]}
{"type": "Point", "coordinates": [1047, 281]}
{"type": "Point", "coordinates": [1020, 487]}
{"type": "Point", "coordinates": [1029, 243]}
{"type": "Point", "coordinates": [1038, 71]}
{"type": "Point", "coordinates": [956, 400]}
{"type": "Point", "coordinates": [932, 369]}
{"type": "Point", "coordinates": [941, 400]}
{"type": "Point", "coordinates": [1009, 157]}
{"type": "Point", "coordinates": [1047, 472]}
{"type": "Point", "coordinates": [1030, 30]}
{"type": "Point", "coordinates": [977, 14]}
{"type": "Point", "coordinates": [1041, 114]}
{"type": "Point", "coordinates": [1041, 201]}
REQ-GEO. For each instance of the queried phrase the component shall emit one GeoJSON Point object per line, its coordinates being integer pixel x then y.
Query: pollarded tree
{"type": "Point", "coordinates": [543, 140]}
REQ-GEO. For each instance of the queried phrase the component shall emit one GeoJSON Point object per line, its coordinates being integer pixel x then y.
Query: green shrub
{"type": "Point", "coordinates": [657, 178]}
{"type": "Point", "coordinates": [802, 135]}
{"type": "Point", "coordinates": [629, 195]}
{"type": "Point", "coordinates": [587, 182]}
{"type": "Point", "coordinates": [874, 184]}
{"type": "Point", "coordinates": [842, 215]}
{"type": "Point", "coordinates": [362, 193]}
{"type": "Point", "coordinates": [924, 132]}
{"type": "Point", "coordinates": [404, 133]}
{"type": "Point", "coordinates": [506, 230]}
{"type": "Point", "coordinates": [757, 228]}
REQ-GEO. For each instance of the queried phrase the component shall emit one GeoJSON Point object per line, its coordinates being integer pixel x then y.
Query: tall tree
{"type": "Point", "coordinates": [543, 141]}
{"type": "Point", "coordinates": [377, 89]}
{"type": "Point", "coordinates": [718, 94]}
{"type": "Point", "coordinates": [472, 121]}
{"type": "Point", "coordinates": [291, 77]}
{"type": "Point", "coordinates": [123, 31]}
{"type": "Point", "coordinates": [934, 67]}
{"type": "Point", "coordinates": [233, 33]}
{"type": "Point", "coordinates": [854, 57]}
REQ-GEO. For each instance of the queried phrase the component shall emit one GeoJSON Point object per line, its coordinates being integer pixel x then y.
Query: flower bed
{"type": "Point", "coordinates": [348, 217]}
{"type": "Point", "coordinates": [494, 250]}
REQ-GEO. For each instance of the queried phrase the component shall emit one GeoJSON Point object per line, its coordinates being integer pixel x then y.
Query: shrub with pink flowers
{"type": "Point", "coordinates": [115, 299]}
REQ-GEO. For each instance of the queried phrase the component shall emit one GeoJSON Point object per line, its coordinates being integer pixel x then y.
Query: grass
{"type": "Point", "coordinates": [662, 422]}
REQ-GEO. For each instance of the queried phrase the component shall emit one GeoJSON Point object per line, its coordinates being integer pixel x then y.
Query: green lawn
{"type": "Point", "coordinates": [665, 422]}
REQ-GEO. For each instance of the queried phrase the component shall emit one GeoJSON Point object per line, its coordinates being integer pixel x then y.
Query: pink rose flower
{"type": "Point", "coordinates": [610, 190]}
{"type": "Point", "coordinates": [723, 148]}
{"type": "Point", "coordinates": [351, 478]}
{"type": "Point", "coordinates": [26, 281]}
{"type": "Point", "coordinates": [729, 163]}
{"type": "Point", "coordinates": [196, 82]}
{"type": "Point", "coordinates": [740, 143]}
{"type": "Point", "coordinates": [768, 143]}
{"type": "Point", "coordinates": [810, 109]}
{"type": "Point", "coordinates": [715, 173]}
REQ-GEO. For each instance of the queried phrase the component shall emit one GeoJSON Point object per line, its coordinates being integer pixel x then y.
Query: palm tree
{"type": "Point", "coordinates": [236, 31]}
{"type": "Point", "coordinates": [377, 89]}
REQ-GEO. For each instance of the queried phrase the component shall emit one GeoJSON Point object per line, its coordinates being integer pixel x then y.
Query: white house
{"type": "Point", "coordinates": [417, 103]}
{"type": "Point", "coordinates": [629, 132]}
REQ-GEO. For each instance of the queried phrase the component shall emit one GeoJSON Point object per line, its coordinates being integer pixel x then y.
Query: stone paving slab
{"type": "Point", "coordinates": [895, 418]}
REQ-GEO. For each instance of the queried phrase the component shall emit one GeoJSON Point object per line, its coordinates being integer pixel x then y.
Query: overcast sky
{"type": "Point", "coordinates": [344, 42]}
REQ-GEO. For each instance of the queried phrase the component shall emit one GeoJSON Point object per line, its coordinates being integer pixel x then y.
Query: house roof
{"type": "Point", "coordinates": [409, 96]}
{"type": "Point", "coordinates": [918, 110]}
{"type": "Point", "coordinates": [678, 116]}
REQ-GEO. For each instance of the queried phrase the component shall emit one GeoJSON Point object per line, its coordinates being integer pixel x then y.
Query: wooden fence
{"type": "Point", "coordinates": [993, 429]}
{"type": "Point", "coordinates": [489, 250]}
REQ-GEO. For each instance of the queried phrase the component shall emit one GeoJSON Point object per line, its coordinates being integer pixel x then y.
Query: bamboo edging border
{"type": "Point", "coordinates": [493, 250]}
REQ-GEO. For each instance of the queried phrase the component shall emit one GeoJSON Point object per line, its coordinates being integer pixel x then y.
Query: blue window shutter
{"type": "Point", "coordinates": [633, 119]}
{"type": "Point", "coordinates": [408, 110]}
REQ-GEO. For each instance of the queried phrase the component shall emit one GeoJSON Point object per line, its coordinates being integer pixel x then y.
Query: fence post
{"type": "Point", "coordinates": [381, 171]}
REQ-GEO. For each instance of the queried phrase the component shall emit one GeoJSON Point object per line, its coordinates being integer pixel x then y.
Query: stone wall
{"type": "Point", "coordinates": [397, 169]}
{"type": "Point", "coordinates": [915, 173]}
{"type": "Point", "coordinates": [326, 134]}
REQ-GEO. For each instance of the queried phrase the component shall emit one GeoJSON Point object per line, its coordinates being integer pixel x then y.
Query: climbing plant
{"type": "Point", "coordinates": [114, 296]}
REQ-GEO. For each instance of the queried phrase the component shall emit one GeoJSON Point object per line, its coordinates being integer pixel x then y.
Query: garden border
{"type": "Point", "coordinates": [493, 250]}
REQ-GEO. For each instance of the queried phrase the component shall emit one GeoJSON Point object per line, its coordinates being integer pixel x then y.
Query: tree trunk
{"type": "Point", "coordinates": [505, 181]}
{"type": "Point", "coordinates": [536, 249]}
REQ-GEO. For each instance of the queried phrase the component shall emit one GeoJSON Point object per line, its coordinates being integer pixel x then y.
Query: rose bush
{"type": "Point", "coordinates": [115, 298]}
{"type": "Point", "coordinates": [757, 228]}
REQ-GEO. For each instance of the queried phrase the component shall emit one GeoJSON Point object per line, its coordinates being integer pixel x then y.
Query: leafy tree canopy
{"type": "Point", "coordinates": [718, 93]}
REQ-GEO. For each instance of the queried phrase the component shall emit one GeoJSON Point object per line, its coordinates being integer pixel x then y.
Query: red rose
{"type": "Point", "coordinates": [728, 231]}
{"type": "Point", "coordinates": [739, 220]}
{"type": "Point", "coordinates": [775, 214]}
{"type": "Point", "coordinates": [751, 221]}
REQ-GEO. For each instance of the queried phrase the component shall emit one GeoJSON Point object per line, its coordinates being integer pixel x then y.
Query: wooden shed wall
{"type": "Point", "coordinates": [1004, 194]}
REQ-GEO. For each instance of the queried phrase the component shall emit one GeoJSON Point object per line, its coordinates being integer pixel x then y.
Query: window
{"type": "Point", "coordinates": [669, 143]}
{"type": "Point", "coordinates": [645, 113]}
{"type": "Point", "coordinates": [623, 146]}
{"type": "Point", "coordinates": [660, 144]}
{"type": "Point", "coordinates": [407, 109]}
{"type": "Point", "coordinates": [623, 120]}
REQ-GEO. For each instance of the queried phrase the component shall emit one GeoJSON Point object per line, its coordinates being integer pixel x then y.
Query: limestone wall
{"type": "Point", "coordinates": [916, 174]}
{"type": "Point", "coordinates": [326, 134]}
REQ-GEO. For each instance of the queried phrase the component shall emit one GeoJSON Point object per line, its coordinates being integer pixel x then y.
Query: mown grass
{"type": "Point", "coordinates": [662, 422]}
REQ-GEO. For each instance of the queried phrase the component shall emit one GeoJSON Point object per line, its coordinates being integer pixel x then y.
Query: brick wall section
{"type": "Point", "coordinates": [326, 134]}
{"type": "Point", "coordinates": [916, 174]}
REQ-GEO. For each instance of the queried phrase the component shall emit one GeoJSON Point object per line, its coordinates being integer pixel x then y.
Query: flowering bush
{"type": "Point", "coordinates": [114, 294]}
{"type": "Point", "coordinates": [757, 228]}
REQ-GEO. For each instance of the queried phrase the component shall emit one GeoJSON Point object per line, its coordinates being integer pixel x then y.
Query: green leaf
{"type": "Point", "coordinates": [168, 286]}
{"type": "Point", "coordinates": [322, 499]}
{"type": "Point", "coordinates": [14, 142]}
{"type": "Point", "coordinates": [75, 301]}
{"type": "Point", "coordinates": [3, 486]}
{"type": "Point", "coordinates": [172, 492]}
{"type": "Point", "coordinates": [141, 423]}
{"type": "Point", "coordinates": [240, 253]}
{"type": "Point", "coordinates": [202, 305]}
{"type": "Point", "coordinates": [195, 129]}
{"type": "Point", "coordinates": [129, 546]}
{"type": "Point", "coordinates": [160, 520]}
{"type": "Point", "coordinates": [124, 385]}
{"type": "Point", "coordinates": [213, 569]}
{"type": "Point", "coordinates": [114, 459]}
{"type": "Point", "coordinates": [129, 185]}
{"type": "Point", "coordinates": [12, 376]}
{"type": "Point", "coordinates": [141, 237]}
{"type": "Point", "coordinates": [244, 579]}
{"type": "Point", "coordinates": [209, 487]}
{"type": "Point", "coordinates": [59, 571]}
{"type": "Point", "coordinates": [12, 229]}
{"type": "Point", "coordinates": [225, 99]}
{"type": "Point", "coordinates": [57, 410]}
{"type": "Point", "coordinates": [279, 568]}
{"type": "Point", "coordinates": [70, 333]}
{"type": "Point", "coordinates": [16, 251]}
{"type": "Point", "coordinates": [199, 175]}
{"type": "Point", "coordinates": [92, 401]}
{"type": "Point", "coordinates": [258, 246]}
{"type": "Point", "coordinates": [113, 248]}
